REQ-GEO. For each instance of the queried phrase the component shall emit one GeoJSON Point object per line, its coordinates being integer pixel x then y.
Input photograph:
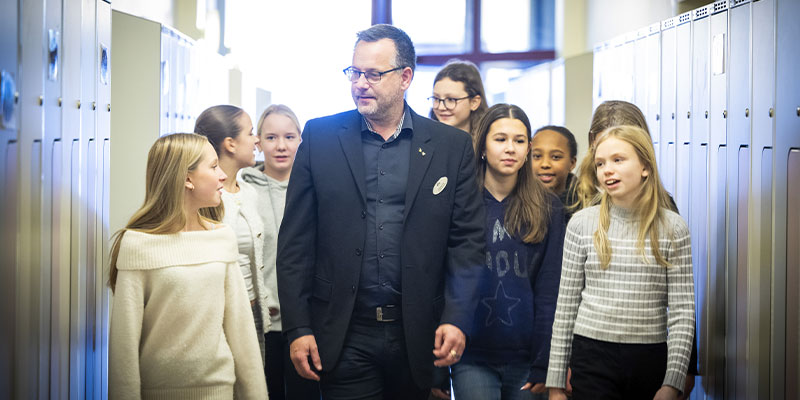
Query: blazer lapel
{"type": "Point", "coordinates": [421, 154]}
{"type": "Point", "coordinates": [350, 139]}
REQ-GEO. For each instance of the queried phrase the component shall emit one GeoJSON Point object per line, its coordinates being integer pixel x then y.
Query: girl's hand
{"type": "Point", "coordinates": [666, 393]}
{"type": "Point", "coordinates": [557, 394]}
{"type": "Point", "coordinates": [537, 388]}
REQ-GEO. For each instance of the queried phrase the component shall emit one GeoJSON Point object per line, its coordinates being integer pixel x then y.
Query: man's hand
{"type": "Point", "coordinates": [440, 393]}
{"type": "Point", "coordinates": [557, 394]}
{"type": "Point", "coordinates": [666, 393]}
{"type": "Point", "coordinates": [448, 346]}
{"type": "Point", "coordinates": [299, 351]}
{"type": "Point", "coordinates": [537, 388]}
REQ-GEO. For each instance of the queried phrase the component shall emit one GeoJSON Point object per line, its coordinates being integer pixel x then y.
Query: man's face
{"type": "Point", "coordinates": [376, 100]}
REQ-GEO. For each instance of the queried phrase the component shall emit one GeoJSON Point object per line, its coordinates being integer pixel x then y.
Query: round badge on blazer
{"type": "Point", "coordinates": [440, 185]}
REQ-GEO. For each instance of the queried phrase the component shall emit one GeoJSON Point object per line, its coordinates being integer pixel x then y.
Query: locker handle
{"type": "Point", "coordinates": [706, 114]}
{"type": "Point", "coordinates": [60, 101]}
{"type": "Point", "coordinates": [41, 100]}
{"type": "Point", "coordinates": [688, 114]}
{"type": "Point", "coordinates": [658, 117]}
{"type": "Point", "coordinates": [724, 113]}
{"type": "Point", "coordinates": [746, 112]}
{"type": "Point", "coordinates": [771, 112]}
{"type": "Point", "coordinates": [78, 104]}
{"type": "Point", "coordinates": [798, 111]}
{"type": "Point", "coordinates": [94, 105]}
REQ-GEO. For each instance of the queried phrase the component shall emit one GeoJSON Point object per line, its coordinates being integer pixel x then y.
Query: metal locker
{"type": "Point", "coordinates": [718, 63]}
{"type": "Point", "coordinates": [640, 70]}
{"type": "Point", "coordinates": [653, 81]}
{"type": "Point", "coordinates": [78, 259]}
{"type": "Point", "coordinates": [716, 272]}
{"type": "Point", "coordinates": [166, 80]}
{"type": "Point", "coordinates": [667, 101]}
{"type": "Point", "coordinates": [792, 372]}
{"type": "Point", "coordinates": [739, 74]}
{"type": "Point", "coordinates": [761, 199]}
{"type": "Point", "coordinates": [701, 73]}
{"type": "Point", "coordinates": [597, 75]}
{"type": "Point", "coordinates": [175, 72]}
{"type": "Point", "coordinates": [91, 266]}
{"type": "Point", "coordinates": [786, 352]}
{"type": "Point", "coordinates": [9, 118]}
{"type": "Point", "coordinates": [31, 88]}
{"type": "Point", "coordinates": [626, 71]}
{"type": "Point", "coordinates": [737, 300]}
{"type": "Point", "coordinates": [683, 78]}
{"type": "Point", "coordinates": [683, 173]}
{"type": "Point", "coordinates": [699, 228]}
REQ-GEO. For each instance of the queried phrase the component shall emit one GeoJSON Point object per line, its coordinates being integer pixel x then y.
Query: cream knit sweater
{"type": "Point", "coordinates": [181, 325]}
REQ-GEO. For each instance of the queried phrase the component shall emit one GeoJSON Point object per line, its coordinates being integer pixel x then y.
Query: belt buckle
{"type": "Point", "coordinates": [379, 314]}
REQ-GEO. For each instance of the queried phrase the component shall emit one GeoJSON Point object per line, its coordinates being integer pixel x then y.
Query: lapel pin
{"type": "Point", "coordinates": [421, 152]}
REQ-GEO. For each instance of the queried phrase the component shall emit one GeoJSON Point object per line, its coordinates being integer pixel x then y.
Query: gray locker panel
{"type": "Point", "coordinates": [739, 107]}
{"type": "Point", "coordinates": [792, 374]}
{"type": "Point", "coordinates": [668, 49]}
{"type": "Point", "coordinates": [78, 228]}
{"type": "Point", "coordinates": [698, 224]}
{"type": "Point", "coordinates": [666, 168]}
{"type": "Point", "coordinates": [683, 86]}
{"type": "Point", "coordinates": [104, 158]}
{"type": "Point", "coordinates": [683, 174]}
{"type": "Point", "coordinates": [104, 249]}
{"type": "Point", "coordinates": [59, 285]}
{"type": "Point", "coordinates": [166, 80]}
{"type": "Point", "coordinates": [717, 272]}
{"type": "Point", "coordinates": [90, 202]}
{"type": "Point", "coordinates": [88, 69]}
{"type": "Point", "coordinates": [640, 73]}
{"type": "Point", "coordinates": [718, 66]}
{"type": "Point", "coordinates": [653, 85]}
{"type": "Point", "coordinates": [8, 273]}
{"type": "Point", "coordinates": [763, 109]}
{"type": "Point", "coordinates": [701, 75]}
{"type": "Point", "coordinates": [737, 258]}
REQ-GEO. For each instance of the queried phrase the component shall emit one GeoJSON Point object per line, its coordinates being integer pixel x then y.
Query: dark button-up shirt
{"type": "Point", "coordinates": [386, 164]}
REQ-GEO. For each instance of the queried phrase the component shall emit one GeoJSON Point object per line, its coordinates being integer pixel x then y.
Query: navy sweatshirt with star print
{"type": "Point", "coordinates": [517, 299]}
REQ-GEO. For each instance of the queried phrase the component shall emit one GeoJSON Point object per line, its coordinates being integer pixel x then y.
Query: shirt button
{"type": "Point", "coordinates": [383, 172]}
{"type": "Point", "coordinates": [353, 288]}
{"type": "Point", "coordinates": [383, 284]}
{"type": "Point", "coordinates": [380, 227]}
{"type": "Point", "coordinates": [381, 255]}
{"type": "Point", "coordinates": [380, 201]}
{"type": "Point", "coordinates": [358, 252]}
{"type": "Point", "coordinates": [363, 214]}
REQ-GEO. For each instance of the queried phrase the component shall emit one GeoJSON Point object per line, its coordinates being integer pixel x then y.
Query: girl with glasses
{"type": "Point", "coordinates": [458, 97]}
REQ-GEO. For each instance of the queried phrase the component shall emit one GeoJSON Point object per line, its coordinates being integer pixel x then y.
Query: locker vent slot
{"type": "Point", "coordinates": [721, 5]}
{"type": "Point", "coordinates": [735, 3]}
{"type": "Point", "coordinates": [684, 18]}
{"type": "Point", "coordinates": [668, 23]}
{"type": "Point", "coordinates": [700, 13]}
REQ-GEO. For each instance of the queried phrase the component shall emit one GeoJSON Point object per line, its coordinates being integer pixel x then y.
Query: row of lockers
{"type": "Point", "coordinates": [55, 149]}
{"type": "Point", "coordinates": [719, 89]}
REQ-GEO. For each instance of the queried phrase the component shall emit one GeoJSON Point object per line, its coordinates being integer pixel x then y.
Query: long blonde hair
{"type": "Point", "coordinates": [608, 113]}
{"type": "Point", "coordinates": [169, 161]}
{"type": "Point", "coordinates": [651, 200]}
{"type": "Point", "coordinates": [528, 214]}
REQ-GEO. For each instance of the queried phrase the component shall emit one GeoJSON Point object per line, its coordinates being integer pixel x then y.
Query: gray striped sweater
{"type": "Point", "coordinates": [631, 301]}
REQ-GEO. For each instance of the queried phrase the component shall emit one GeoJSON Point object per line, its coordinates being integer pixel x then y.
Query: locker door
{"type": "Point", "coordinates": [793, 278]}
{"type": "Point", "coordinates": [667, 129]}
{"type": "Point", "coordinates": [91, 266]}
{"type": "Point", "coordinates": [78, 259]}
{"type": "Point", "coordinates": [166, 80]}
{"type": "Point", "coordinates": [640, 71]}
{"type": "Point", "coordinates": [683, 76]}
{"type": "Point", "coordinates": [787, 142]}
{"type": "Point", "coordinates": [653, 81]}
{"type": "Point", "coordinates": [9, 117]}
{"type": "Point", "coordinates": [683, 173]}
{"type": "Point", "coordinates": [719, 65]}
{"type": "Point", "coordinates": [8, 273]}
{"type": "Point", "coordinates": [102, 291]}
{"type": "Point", "coordinates": [701, 74]}
{"type": "Point", "coordinates": [702, 274]}
{"type": "Point", "coordinates": [717, 272]}
{"type": "Point", "coordinates": [761, 200]}
{"type": "Point", "coordinates": [31, 89]}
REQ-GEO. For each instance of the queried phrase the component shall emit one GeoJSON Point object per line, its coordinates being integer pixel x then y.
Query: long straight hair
{"type": "Point", "coordinates": [650, 202]}
{"type": "Point", "coordinates": [528, 212]}
{"type": "Point", "coordinates": [169, 162]}
{"type": "Point", "coordinates": [608, 113]}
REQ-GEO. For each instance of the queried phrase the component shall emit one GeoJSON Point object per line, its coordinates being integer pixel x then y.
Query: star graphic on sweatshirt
{"type": "Point", "coordinates": [500, 306]}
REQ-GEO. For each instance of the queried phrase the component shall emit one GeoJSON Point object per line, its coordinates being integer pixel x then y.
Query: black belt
{"type": "Point", "coordinates": [387, 313]}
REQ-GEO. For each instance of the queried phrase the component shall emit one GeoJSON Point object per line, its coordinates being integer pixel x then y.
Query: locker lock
{"type": "Point", "coordinates": [41, 100]}
{"type": "Point", "coordinates": [724, 113]}
{"type": "Point", "coordinates": [771, 112]}
{"type": "Point", "coordinates": [59, 101]}
{"type": "Point", "coordinates": [108, 107]}
{"type": "Point", "coordinates": [658, 117]}
{"type": "Point", "coordinates": [78, 104]}
{"type": "Point", "coordinates": [706, 114]}
{"type": "Point", "coordinates": [94, 105]}
{"type": "Point", "coordinates": [798, 111]}
{"type": "Point", "coordinates": [688, 114]}
{"type": "Point", "coordinates": [16, 97]}
{"type": "Point", "coordinates": [746, 112]}
{"type": "Point", "coordinates": [673, 116]}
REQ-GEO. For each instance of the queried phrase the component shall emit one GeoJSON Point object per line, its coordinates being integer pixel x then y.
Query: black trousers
{"type": "Point", "coordinates": [373, 365]}
{"type": "Point", "coordinates": [283, 381]}
{"type": "Point", "coordinates": [605, 371]}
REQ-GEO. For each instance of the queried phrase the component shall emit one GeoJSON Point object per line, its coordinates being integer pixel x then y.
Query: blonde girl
{"type": "Point", "coordinates": [625, 316]}
{"type": "Point", "coordinates": [179, 298]}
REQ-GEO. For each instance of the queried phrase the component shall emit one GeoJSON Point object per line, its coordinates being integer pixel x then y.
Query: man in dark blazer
{"type": "Point", "coordinates": [382, 245]}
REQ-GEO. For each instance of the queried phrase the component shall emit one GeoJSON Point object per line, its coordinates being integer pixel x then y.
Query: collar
{"type": "Point", "coordinates": [406, 122]}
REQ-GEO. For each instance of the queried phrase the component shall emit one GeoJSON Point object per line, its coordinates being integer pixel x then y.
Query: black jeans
{"type": "Point", "coordinates": [373, 365]}
{"type": "Point", "coordinates": [283, 381]}
{"type": "Point", "coordinates": [605, 370]}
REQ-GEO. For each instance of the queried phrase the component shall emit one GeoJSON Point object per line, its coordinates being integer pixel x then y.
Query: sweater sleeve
{"type": "Point", "coordinates": [680, 303]}
{"type": "Point", "coordinates": [545, 294]}
{"type": "Point", "coordinates": [569, 296]}
{"type": "Point", "coordinates": [238, 326]}
{"type": "Point", "coordinates": [125, 336]}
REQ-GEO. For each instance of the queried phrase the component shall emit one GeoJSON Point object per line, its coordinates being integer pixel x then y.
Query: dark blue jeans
{"type": "Point", "coordinates": [373, 365]}
{"type": "Point", "coordinates": [483, 381]}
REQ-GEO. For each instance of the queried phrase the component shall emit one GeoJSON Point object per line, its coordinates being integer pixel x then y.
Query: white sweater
{"type": "Point", "coordinates": [181, 326]}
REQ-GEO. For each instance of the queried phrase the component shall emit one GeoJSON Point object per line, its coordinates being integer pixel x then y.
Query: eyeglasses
{"type": "Point", "coordinates": [372, 76]}
{"type": "Point", "coordinates": [449, 103]}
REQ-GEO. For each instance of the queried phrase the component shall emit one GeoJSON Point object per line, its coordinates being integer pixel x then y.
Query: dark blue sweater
{"type": "Point", "coordinates": [514, 319]}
